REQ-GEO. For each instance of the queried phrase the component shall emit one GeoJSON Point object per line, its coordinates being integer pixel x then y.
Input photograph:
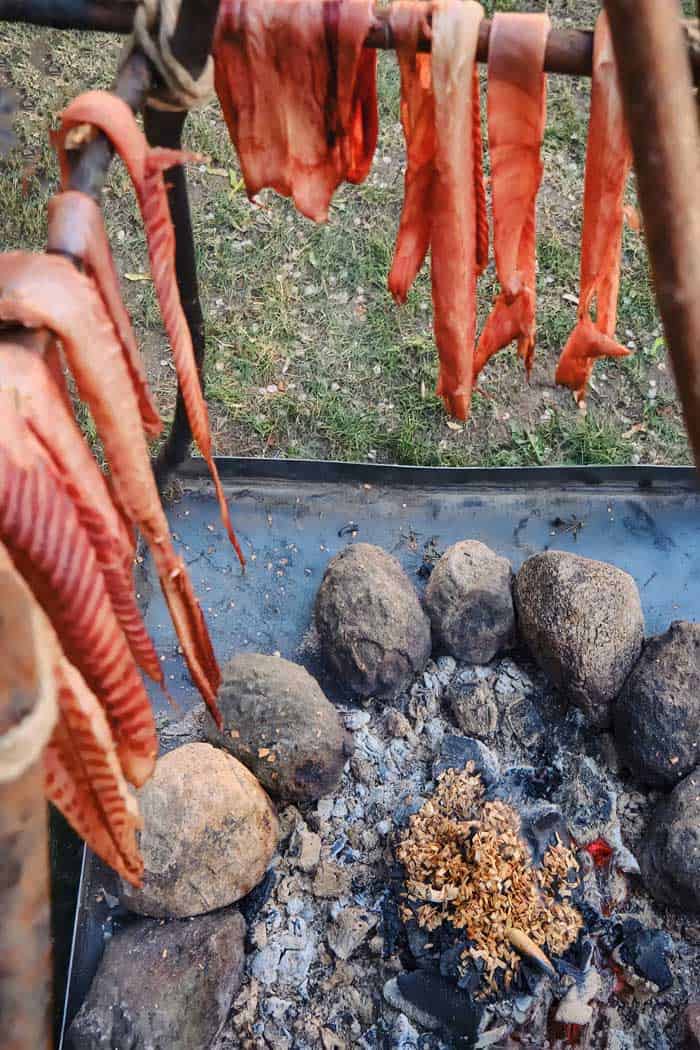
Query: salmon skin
{"type": "Point", "coordinates": [41, 530]}
{"type": "Point", "coordinates": [47, 291]}
{"type": "Point", "coordinates": [145, 166]}
{"type": "Point", "coordinates": [76, 228]}
{"type": "Point", "coordinates": [608, 163]}
{"type": "Point", "coordinates": [28, 388]}
{"type": "Point", "coordinates": [299, 95]}
{"type": "Point", "coordinates": [517, 106]}
{"type": "Point", "coordinates": [444, 201]}
{"type": "Point", "coordinates": [82, 775]}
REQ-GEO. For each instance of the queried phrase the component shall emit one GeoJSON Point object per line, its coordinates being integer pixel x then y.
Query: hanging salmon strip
{"type": "Point", "coordinates": [298, 93]}
{"type": "Point", "coordinates": [608, 163]}
{"type": "Point", "coordinates": [40, 528]}
{"type": "Point", "coordinates": [145, 166]}
{"type": "Point", "coordinates": [82, 774]}
{"type": "Point", "coordinates": [444, 199]}
{"type": "Point", "coordinates": [517, 94]}
{"type": "Point", "coordinates": [27, 386]}
{"type": "Point", "coordinates": [408, 22]}
{"type": "Point", "coordinates": [46, 291]}
{"type": "Point", "coordinates": [76, 228]}
{"type": "Point", "coordinates": [83, 778]}
{"type": "Point", "coordinates": [454, 207]}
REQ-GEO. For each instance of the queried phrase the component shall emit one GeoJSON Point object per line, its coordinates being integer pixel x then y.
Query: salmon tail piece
{"type": "Point", "coordinates": [407, 20]}
{"type": "Point", "coordinates": [517, 93]}
{"type": "Point", "coordinates": [608, 163]}
{"type": "Point", "coordinates": [145, 166]}
{"type": "Point", "coordinates": [84, 781]}
{"type": "Point", "coordinates": [76, 228]}
{"type": "Point", "coordinates": [188, 618]}
{"type": "Point", "coordinates": [584, 347]}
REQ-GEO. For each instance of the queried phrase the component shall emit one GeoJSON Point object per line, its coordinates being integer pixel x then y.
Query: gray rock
{"type": "Point", "coordinates": [278, 722]}
{"type": "Point", "coordinates": [349, 930]}
{"type": "Point", "coordinates": [583, 623]}
{"type": "Point", "coordinates": [470, 603]}
{"type": "Point", "coordinates": [669, 854]}
{"type": "Point", "coordinates": [373, 632]}
{"type": "Point", "coordinates": [456, 751]}
{"type": "Point", "coordinates": [657, 715]}
{"type": "Point", "coordinates": [159, 986]}
{"type": "Point", "coordinates": [474, 707]}
{"type": "Point", "coordinates": [209, 833]}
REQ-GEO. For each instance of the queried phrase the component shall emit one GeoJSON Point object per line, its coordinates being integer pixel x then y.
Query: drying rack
{"type": "Point", "coordinates": [658, 57]}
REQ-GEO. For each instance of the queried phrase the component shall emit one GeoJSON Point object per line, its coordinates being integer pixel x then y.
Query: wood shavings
{"type": "Point", "coordinates": [466, 862]}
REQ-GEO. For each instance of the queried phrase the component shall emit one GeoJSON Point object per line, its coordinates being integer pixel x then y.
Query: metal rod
{"type": "Point", "coordinates": [165, 129]}
{"type": "Point", "coordinates": [660, 109]}
{"type": "Point", "coordinates": [25, 946]}
{"type": "Point", "coordinates": [191, 44]}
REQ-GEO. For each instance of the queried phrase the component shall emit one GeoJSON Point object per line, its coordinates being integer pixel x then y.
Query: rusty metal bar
{"type": "Point", "coordinates": [25, 952]}
{"type": "Point", "coordinates": [656, 84]}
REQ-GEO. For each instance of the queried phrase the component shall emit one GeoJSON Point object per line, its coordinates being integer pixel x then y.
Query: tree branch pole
{"type": "Point", "coordinates": [657, 90]}
{"type": "Point", "coordinates": [25, 945]}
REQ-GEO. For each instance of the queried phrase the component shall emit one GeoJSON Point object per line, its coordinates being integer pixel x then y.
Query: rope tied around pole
{"type": "Point", "coordinates": [154, 25]}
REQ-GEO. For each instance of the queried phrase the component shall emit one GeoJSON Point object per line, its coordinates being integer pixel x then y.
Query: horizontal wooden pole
{"type": "Point", "coordinates": [569, 51]}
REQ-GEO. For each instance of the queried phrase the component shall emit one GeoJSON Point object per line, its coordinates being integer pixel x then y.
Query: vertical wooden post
{"type": "Point", "coordinates": [25, 956]}
{"type": "Point", "coordinates": [657, 89]}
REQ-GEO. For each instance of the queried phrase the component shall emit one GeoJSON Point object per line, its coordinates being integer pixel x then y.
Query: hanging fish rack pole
{"type": "Point", "coordinates": [569, 51]}
{"type": "Point", "coordinates": [655, 78]}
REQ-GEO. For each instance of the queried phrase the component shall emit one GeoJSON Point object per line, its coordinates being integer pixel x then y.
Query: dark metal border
{"type": "Point", "coordinates": [241, 468]}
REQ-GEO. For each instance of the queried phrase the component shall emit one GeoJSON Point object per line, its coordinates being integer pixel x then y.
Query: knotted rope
{"type": "Point", "coordinates": [154, 26]}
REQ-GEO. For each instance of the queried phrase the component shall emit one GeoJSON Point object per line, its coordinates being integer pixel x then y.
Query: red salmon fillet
{"type": "Point", "coordinates": [517, 94]}
{"type": "Point", "coordinates": [608, 163]}
{"type": "Point", "coordinates": [298, 93]}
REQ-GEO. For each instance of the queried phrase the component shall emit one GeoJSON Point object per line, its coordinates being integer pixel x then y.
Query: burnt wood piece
{"type": "Point", "coordinates": [656, 83]}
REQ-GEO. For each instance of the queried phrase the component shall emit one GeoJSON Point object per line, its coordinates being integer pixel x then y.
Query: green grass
{"type": "Point", "coordinates": [307, 355]}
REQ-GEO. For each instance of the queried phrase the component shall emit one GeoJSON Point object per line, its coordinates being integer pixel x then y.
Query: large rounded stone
{"type": "Point", "coordinates": [670, 852]}
{"type": "Point", "coordinates": [470, 603]}
{"type": "Point", "coordinates": [279, 723]}
{"type": "Point", "coordinates": [657, 715]}
{"type": "Point", "coordinates": [209, 833]}
{"type": "Point", "coordinates": [161, 986]}
{"type": "Point", "coordinates": [583, 623]}
{"type": "Point", "coordinates": [374, 634]}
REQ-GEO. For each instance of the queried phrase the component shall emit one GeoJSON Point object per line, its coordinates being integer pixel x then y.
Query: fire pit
{"type": "Point", "coordinates": [474, 878]}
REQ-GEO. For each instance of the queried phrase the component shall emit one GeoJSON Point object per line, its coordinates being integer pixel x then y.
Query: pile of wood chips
{"type": "Point", "coordinates": [467, 861]}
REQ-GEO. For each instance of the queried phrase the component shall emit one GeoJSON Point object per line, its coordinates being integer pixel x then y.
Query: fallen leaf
{"type": "Point", "coordinates": [137, 277]}
{"type": "Point", "coordinates": [221, 172]}
{"type": "Point", "coordinates": [454, 426]}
